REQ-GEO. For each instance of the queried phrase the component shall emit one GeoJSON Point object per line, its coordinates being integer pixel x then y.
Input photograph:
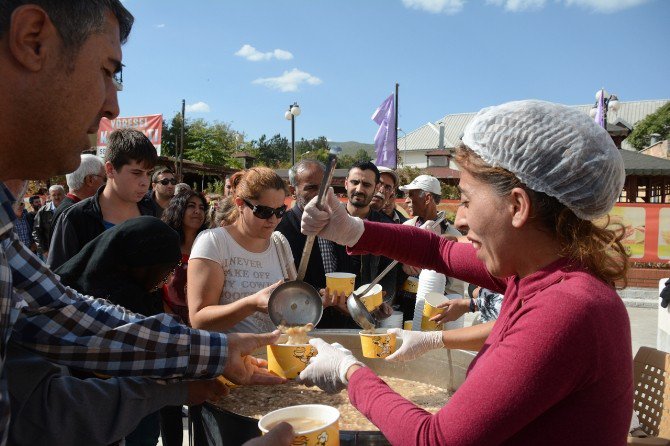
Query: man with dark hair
{"type": "Point", "coordinates": [129, 159]}
{"type": "Point", "coordinates": [361, 183]}
{"type": "Point", "coordinates": [57, 65]}
{"type": "Point", "coordinates": [163, 184]}
{"type": "Point", "coordinates": [326, 257]}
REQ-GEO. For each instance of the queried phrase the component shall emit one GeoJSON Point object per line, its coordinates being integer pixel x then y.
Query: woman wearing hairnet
{"type": "Point", "coordinates": [557, 366]}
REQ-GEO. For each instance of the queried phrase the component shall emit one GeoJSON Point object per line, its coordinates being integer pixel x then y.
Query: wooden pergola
{"type": "Point", "coordinates": [647, 178]}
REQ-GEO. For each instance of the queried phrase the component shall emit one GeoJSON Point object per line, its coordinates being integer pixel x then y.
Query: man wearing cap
{"type": "Point", "coordinates": [422, 196]}
{"type": "Point", "coordinates": [384, 198]}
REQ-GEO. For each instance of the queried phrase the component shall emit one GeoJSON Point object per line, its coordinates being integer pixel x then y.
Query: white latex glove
{"type": "Point", "coordinates": [415, 343]}
{"type": "Point", "coordinates": [328, 368]}
{"type": "Point", "coordinates": [332, 223]}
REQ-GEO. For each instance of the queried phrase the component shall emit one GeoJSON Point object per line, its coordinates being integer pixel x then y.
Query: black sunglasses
{"type": "Point", "coordinates": [265, 212]}
{"type": "Point", "coordinates": [166, 181]}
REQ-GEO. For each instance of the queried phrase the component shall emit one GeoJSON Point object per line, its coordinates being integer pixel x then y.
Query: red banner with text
{"type": "Point", "coordinates": [150, 125]}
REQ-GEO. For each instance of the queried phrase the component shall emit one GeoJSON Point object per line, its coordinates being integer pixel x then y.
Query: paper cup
{"type": "Point", "coordinates": [340, 282]}
{"type": "Point", "coordinates": [377, 345]}
{"type": "Point", "coordinates": [411, 285]}
{"type": "Point", "coordinates": [407, 325]}
{"type": "Point", "coordinates": [430, 309]}
{"type": "Point", "coordinates": [288, 360]}
{"type": "Point", "coordinates": [373, 298]}
{"type": "Point", "coordinates": [314, 424]}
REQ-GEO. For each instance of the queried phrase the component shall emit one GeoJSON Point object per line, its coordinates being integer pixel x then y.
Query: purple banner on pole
{"type": "Point", "coordinates": [600, 112]}
{"type": "Point", "coordinates": [385, 138]}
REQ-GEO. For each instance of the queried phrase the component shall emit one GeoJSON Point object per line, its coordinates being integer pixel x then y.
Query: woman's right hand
{"type": "Point", "coordinates": [333, 222]}
{"type": "Point", "coordinates": [261, 298]}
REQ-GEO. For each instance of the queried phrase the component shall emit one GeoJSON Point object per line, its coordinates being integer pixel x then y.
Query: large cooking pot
{"type": "Point", "coordinates": [442, 368]}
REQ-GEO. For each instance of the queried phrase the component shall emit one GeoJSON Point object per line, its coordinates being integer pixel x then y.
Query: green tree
{"type": "Point", "coordinates": [274, 152]}
{"type": "Point", "coordinates": [657, 122]}
{"type": "Point", "coordinates": [210, 143]}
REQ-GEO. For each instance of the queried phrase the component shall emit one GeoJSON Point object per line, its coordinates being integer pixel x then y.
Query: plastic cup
{"type": "Point", "coordinates": [430, 309]}
{"type": "Point", "coordinates": [377, 344]}
{"type": "Point", "coordinates": [340, 282]}
{"type": "Point", "coordinates": [288, 360]}
{"type": "Point", "coordinates": [373, 298]}
{"type": "Point", "coordinates": [325, 418]}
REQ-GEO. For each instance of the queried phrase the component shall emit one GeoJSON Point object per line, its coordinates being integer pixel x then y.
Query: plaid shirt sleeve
{"type": "Point", "coordinates": [94, 334]}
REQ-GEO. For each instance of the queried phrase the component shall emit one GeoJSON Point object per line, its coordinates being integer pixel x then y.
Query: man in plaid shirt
{"type": "Point", "coordinates": [58, 66]}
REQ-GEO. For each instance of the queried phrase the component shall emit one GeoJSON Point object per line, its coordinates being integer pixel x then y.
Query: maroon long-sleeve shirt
{"type": "Point", "coordinates": [556, 369]}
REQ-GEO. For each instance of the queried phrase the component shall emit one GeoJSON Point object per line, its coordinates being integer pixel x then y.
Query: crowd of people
{"type": "Point", "coordinates": [124, 296]}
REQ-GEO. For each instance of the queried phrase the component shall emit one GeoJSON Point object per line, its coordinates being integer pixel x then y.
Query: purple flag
{"type": "Point", "coordinates": [385, 139]}
{"type": "Point", "coordinates": [600, 112]}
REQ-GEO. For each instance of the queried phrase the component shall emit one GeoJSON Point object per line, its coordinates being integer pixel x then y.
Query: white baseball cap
{"type": "Point", "coordinates": [424, 182]}
{"type": "Point", "coordinates": [384, 169]}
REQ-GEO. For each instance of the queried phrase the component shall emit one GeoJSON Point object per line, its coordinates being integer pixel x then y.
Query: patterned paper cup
{"type": "Point", "coordinates": [378, 344]}
{"type": "Point", "coordinates": [430, 309]}
{"type": "Point", "coordinates": [288, 360]}
{"type": "Point", "coordinates": [314, 424]}
{"type": "Point", "coordinates": [373, 298]}
{"type": "Point", "coordinates": [340, 282]}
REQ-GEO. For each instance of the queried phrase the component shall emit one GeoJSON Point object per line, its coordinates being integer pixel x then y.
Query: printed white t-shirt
{"type": "Point", "coordinates": [245, 273]}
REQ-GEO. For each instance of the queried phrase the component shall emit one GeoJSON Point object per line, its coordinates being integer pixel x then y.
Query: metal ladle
{"type": "Point", "coordinates": [295, 302]}
{"type": "Point", "coordinates": [368, 320]}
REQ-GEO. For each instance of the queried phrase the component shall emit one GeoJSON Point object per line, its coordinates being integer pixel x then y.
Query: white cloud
{"type": "Point", "coordinates": [250, 53]}
{"type": "Point", "coordinates": [518, 5]}
{"type": "Point", "coordinates": [436, 6]}
{"type": "Point", "coordinates": [604, 6]}
{"type": "Point", "coordinates": [289, 81]}
{"type": "Point", "coordinates": [160, 25]}
{"type": "Point", "coordinates": [198, 107]}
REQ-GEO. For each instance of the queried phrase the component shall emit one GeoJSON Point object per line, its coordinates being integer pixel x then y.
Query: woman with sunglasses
{"type": "Point", "coordinates": [233, 269]}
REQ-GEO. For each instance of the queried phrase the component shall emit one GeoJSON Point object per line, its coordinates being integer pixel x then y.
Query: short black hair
{"type": "Point", "coordinates": [75, 20]}
{"type": "Point", "coordinates": [366, 165]}
{"type": "Point", "coordinates": [126, 145]}
{"type": "Point", "coordinates": [158, 172]}
{"type": "Point", "coordinates": [33, 198]}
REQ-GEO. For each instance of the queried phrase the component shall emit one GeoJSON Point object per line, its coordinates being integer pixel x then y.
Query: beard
{"type": "Point", "coordinates": [378, 204]}
{"type": "Point", "coordinates": [360, 204]}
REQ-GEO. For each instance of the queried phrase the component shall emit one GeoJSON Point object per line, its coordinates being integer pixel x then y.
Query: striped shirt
{"type": "Point", "coordinates": [88, 333]}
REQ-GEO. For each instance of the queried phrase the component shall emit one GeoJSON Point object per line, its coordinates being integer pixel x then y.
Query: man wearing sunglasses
{"type": "Point", "coordinates": [163, 184]}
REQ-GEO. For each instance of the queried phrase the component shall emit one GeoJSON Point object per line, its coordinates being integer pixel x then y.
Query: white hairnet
{"type": "Point", "coordinates": [553, 149]}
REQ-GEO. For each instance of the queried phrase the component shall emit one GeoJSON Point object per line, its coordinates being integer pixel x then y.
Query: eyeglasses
{"type": "Point", "coordinates": [166, 279]}
{"type": "Point", "coordinates": [265, 212]}
{"type": "Point", "coordinates": [166, 181]}
{"type": "Point", "coordinates": [117, 79]}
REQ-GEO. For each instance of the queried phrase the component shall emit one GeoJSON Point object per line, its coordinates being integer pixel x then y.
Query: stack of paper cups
{"type": "Point", "coordinates": [393, 321]}
{"type": "Point", "coordinates": [429, 282]}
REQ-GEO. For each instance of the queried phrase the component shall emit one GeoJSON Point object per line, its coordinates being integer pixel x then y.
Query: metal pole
{"type": "Point", "coordinates": [396, 126]}
{"type": "Point", "coordinates": [292, 139]}
{"type": "Point", "coordinates": [181, 149]}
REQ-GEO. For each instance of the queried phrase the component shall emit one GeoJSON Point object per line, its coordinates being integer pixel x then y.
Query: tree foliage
{"type": "Point", "coordinates": [657, 122]}
{"type": "Point", "coordinates": [274, 152]}
{"type": "Point", "coordinates": [407, 174]}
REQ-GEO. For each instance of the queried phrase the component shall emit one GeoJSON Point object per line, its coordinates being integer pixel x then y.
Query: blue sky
{"type": "Point", "coordinates": [244, 61]}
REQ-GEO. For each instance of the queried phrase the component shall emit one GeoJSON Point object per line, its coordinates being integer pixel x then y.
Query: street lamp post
{"type": "Point", "coordinates": [291, 113]}
{"type": "Point", "coordinates": [610, 102]}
